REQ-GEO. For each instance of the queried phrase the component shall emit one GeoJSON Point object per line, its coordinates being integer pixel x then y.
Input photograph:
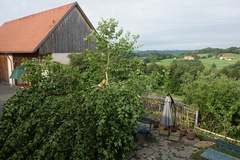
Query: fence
{"type": "Point", "coordinates": [185, 115]}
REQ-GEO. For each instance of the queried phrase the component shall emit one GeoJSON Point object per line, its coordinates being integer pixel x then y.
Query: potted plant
{"type": "Point", "coordinates": [191, 134]}
{"type": "Point", "coordinates": [183, 128]}
{"type": "Point", "coordinates": [156, 118]}
{"type": "Point", "coordinates": [174, 127]}
{"type": "Point", "coordinates": [157, 122]}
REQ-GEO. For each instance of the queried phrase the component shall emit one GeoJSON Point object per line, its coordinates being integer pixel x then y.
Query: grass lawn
{"type": "Point", "coordinates": [208, 62]}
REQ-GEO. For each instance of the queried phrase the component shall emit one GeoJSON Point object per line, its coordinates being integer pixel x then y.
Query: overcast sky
{"type": "Point", "coordinates": [161, 24]}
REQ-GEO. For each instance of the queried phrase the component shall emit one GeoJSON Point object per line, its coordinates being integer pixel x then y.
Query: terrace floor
{"type": "Point", "coordinates": [159, 147]}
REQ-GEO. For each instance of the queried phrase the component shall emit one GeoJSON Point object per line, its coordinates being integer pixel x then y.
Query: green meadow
{"type": "Point", "coordinates": [209, 61]}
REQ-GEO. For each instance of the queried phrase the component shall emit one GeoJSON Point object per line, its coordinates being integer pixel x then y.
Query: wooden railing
{"type": "Point", "coordinates": [185, 115]}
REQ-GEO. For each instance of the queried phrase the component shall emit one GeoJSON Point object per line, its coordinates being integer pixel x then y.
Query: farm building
{"type": "Point", "coordinates": [58, 31]}
{"type": "Point", "coordinates": [226, 58]}
{"type": "Point", "coordinates": [189, 58]}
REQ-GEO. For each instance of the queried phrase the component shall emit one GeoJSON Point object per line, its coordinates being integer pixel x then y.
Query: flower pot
{"type": "Point", "coordinates": [165, 128]}
{"type": "Point", "coordinates": [191, 134]}
{"type": "Point", "coordinates": [174, 128]}
{"type": "Point", "coordinates": [183, 131]}
{"type": "Point", "coordinates": [156, 124]}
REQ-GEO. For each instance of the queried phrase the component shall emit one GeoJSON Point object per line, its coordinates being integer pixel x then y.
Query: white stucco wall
{"type": "Point", "coordinates": [61, 57]}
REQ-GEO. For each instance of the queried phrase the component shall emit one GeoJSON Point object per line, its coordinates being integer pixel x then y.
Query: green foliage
{"type": "Point", "coordinates": [232, 71]}
{"type": "Point", "coordinates": [176, 71]}
{"type": "Point", "coordinates": [217, 97]}
{"type": "Point", "coordinates": [157, 73]}
{"type": "Point", "coordinates": [63, 117]}
{"type": "Point", "coordinates": [109, 41]}
{"type": "Point", "coordinates": [154, 56]}
{"type": "Point", "coordinates": [113, 48]}
{"type": "Point", "coordinates": [66, 114]}
{"type": "Point", "coordinates": [112, 57]}
{"type": "Point", "coordinates": [155, 67]}
{"type": "Point", "coordinates": [213, 66]}
{"type": "Point", "coordinates": [211, 50]}
{"type": "Point", "coordinates": [235, 50]}
{"type": "Point", "coordinates": [91, 65]}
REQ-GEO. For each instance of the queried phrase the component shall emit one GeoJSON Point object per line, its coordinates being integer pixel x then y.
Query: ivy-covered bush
{"type": "Point", "coordinates": [62, 117]}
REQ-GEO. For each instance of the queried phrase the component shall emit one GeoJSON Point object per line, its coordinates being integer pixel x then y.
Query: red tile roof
{"type": "Point", "coordinates": [24, 35]}
{"type": "Point", "coordinates": [189, 57]}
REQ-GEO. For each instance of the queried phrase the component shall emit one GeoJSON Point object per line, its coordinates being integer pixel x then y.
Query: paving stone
{"type": "Point", "coordinates": [174, 136]}
{"type": "Point", "coordinates": [165, 149]}
{"type": "Point", "coordinates": [145, 145]}
{"type": "Point", "coordinates": [189, 141]}
{"type": "Point", "coordinates": [163, 132]}
{"type": "Point", "coordinates": [145, 152]}
{"type": "Point", "coordinates": [204, 144]}
{"type": "Point", "coordinates": [155, 133]}
{"type": "Point", "coordinates": [156, 149]}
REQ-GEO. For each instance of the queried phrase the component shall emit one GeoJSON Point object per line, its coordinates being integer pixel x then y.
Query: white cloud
{"type": "Point", "coordinates": [161, 24]}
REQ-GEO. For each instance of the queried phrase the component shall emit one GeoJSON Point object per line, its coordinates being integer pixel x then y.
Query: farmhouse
{"type": "Point", "coordinates": [226, 58]}
{"type": "Point", "coordinates": [189, 58]}
{"type": "Point", "coordinates": [58, 32]}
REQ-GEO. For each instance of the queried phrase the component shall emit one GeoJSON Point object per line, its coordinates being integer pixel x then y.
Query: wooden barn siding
{"type": "Point", "coordinates": [3, 68]}
{"type": "Point", "coordinates": [18, 58]}
{"type": "Point", "coordinates": [69, 36]}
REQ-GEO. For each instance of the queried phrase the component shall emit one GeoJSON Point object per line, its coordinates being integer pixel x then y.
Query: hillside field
{"type": "Point", "coordinates": [208, 62]}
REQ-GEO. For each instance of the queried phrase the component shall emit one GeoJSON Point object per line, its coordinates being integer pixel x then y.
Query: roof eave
{"type": "Point", "coordinates": [17, 51]}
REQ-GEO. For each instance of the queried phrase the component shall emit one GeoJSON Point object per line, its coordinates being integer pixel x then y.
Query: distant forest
{"type": "Point", "coordinates": [235, 50]}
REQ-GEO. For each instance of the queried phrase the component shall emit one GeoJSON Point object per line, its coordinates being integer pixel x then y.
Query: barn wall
{"type": "Point", "coordinates": [69, 36]}
{"type": "Point", "coordinates": [18, 57]}
{"type": "Point", "coordinates": [61, 57]}
{"type": "Point", "coordinates": [3, 68]}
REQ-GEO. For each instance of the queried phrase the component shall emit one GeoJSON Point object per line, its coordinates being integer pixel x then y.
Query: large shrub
{"type": "Point", "coordinates": [68, 113]}
{"type": "Point", "coordinates": [217, 97]}
{"type": "Point", "coordinates": [61, 117]}
{"type": "Point", "coordinates": [178, 70]}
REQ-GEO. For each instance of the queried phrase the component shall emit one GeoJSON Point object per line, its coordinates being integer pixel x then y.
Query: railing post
{"type": "Point", "coordinates": [196, 118]}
